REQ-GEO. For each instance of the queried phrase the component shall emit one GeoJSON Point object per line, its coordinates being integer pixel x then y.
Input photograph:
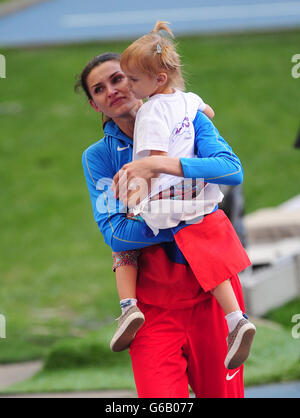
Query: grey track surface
{"type": "Point", "coordinates": [65, 21]}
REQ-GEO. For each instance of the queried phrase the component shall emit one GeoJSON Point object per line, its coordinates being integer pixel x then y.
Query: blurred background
{"type": "Point", "coordinates": [57, 290]}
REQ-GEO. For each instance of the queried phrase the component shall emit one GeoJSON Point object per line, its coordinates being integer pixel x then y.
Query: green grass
{"type": "Point", "coordinates": [84, 379]}
{"type": "Point", "coordinates": [275, 356]}
{"type": "Point", "coordinates": [82, 364]}
{"type": "Point", "coordinates": [56, 278]}
{"type": "Point", "coordinates": [284, 314]}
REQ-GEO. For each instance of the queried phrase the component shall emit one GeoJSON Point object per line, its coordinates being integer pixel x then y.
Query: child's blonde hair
{"type": "Point", "coordinates": [153, 53]}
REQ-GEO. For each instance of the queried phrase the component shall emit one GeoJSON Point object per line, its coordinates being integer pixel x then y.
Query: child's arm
{"type": "Point", "coordinates": [161, 153]}
{"type": "Point", "coordinates": [204, 107]}
{"type": "Point", "coordinates": [208, 111]}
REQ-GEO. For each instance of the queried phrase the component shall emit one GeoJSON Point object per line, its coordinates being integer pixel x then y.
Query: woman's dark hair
{"type": "Point", "coordinates": [98, 60]}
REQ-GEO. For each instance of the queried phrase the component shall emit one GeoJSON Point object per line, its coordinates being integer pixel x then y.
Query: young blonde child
{"type": "Point", "coordinates": [164, 127]}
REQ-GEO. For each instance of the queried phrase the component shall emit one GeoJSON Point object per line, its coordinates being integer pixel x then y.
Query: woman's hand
{"type": "Point", "coordinates": [141, 172]}
{"type": "Point", "coordinates": [137, 174]}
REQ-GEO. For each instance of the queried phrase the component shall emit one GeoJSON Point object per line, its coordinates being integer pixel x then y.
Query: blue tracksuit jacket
{"type": "Point", "coordinates": [216, 163]}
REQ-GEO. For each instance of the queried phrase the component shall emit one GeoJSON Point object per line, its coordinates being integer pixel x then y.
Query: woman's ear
{"type": "Point", "coordinates": [162, 78]}
{"type": "Point", "coordinates": [94, 106]}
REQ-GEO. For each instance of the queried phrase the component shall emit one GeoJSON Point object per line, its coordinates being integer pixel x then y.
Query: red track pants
{"type": "Point", "coordinates": [180, 347]}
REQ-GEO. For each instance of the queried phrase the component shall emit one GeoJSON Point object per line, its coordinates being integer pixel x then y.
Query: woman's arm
{"type": "Point", "coordinates": [216, 162]}
{"type": "Point", "coordinates": [119, 232]}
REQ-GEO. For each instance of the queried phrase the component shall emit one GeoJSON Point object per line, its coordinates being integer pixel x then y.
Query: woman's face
{"type": "Point", "coordinates": [109, 89]}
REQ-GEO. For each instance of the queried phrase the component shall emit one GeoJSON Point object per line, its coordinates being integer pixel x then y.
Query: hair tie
{"type": "Point", "coordinates": [158, 49]}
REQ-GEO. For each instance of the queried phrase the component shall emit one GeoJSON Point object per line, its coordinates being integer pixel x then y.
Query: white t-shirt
{"type": "Point", "coordinates": [165, 123]}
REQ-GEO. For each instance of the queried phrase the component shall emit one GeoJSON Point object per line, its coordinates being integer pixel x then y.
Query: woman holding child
{"type": "Point", "coordinates": [175, 281]}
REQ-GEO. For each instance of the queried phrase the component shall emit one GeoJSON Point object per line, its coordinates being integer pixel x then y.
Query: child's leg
{"type": "Point", "coordinates": [226, 297]}
{"type": "Point", "coordinates": [126, 282]}
{"type": "Point", "coordinates": [241, 331]}
{"type": "Point", "coordinates": [125, 266]}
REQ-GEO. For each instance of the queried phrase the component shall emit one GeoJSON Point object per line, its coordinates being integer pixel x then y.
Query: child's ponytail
{"type": "Point", "coordinates": [160, 25]}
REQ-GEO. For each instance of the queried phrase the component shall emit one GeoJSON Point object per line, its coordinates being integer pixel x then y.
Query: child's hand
{"type": "Point", "coordinates": [209, 112]}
